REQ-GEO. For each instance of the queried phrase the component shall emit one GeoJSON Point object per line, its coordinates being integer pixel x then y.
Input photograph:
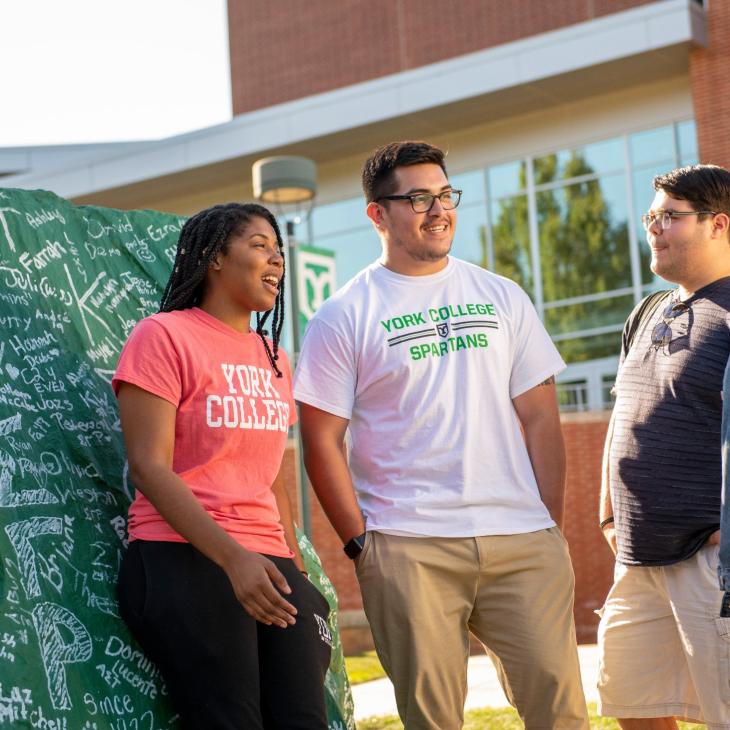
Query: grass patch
{"type": "Point", "coordinates": [497, 719]}
{"type": "Point", "coordinates": [363, 667]}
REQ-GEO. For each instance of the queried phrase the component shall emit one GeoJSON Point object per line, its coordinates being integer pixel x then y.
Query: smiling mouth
{"type": "Point", "coordinates": [440, 228]}
{"type": "Point", "coordinates": [272, 282]}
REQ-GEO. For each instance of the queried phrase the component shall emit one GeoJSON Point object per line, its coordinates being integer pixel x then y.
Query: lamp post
{"type": "Point", "coordinates": [290, 181]}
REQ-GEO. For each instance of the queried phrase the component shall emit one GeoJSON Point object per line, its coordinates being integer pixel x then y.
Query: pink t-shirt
{"type": "Point", "coordinates": [233, 415]}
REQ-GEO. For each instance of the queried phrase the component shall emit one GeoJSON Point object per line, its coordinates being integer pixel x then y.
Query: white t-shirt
{"type": "Point", "coordinates": [425, 368]}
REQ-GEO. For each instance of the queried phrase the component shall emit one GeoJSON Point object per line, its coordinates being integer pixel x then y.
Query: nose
{"type": "Point", "coordinates": [436, 202]}
{"type": "Point", "coordinates": [277, 258]}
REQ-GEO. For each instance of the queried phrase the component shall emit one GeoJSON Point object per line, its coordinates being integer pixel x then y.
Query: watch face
{"type": "Point", "coordinates": [354, 547]}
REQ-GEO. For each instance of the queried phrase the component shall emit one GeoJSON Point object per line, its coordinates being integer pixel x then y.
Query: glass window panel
{"type": "Point", "coordinates": [606, 156]}
{"type": "Point", "coordinates": [584, 241]}
{"type": "Point", "coordinates": [597, 158]}
{"type": "Point", "coordinates": [507, 179]}
{"type": "Point", "coordinates": [582, 349]}
{"type": "Point", "coordinates": [472, 183]}
{"type": "Point", "coordinates": [511, 241]}
{"type": "Point", "coordinates": [342, 216]}
{"type": "Point", "coordinates": [687, 139]}
{"type": "Point", "coordinates": [573, 395]}
{"type": "Point", "coordinates": [652, 146]}
{"type": "Point", "coordinates": [588, 315]}
{"type": "Point", "coordinates": [547, 169]}
{"type": "Point", "coordinates": [353, 251]}
{"type": "Point", "coordinates": [470, 242]}
{"type": "Point", "coordinates": [689, 160]}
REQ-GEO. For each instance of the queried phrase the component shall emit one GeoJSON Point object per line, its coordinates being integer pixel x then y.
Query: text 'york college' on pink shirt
{"type": "Point", "coordinates": [233, 416]}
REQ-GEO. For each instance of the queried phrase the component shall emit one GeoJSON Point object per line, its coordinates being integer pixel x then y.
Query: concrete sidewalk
{"type": "Point", "coordinates": [376, 698]}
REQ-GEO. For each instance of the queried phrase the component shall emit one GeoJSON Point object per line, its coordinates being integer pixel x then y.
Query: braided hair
{"type": "Point", "coordinates": [202, 237]}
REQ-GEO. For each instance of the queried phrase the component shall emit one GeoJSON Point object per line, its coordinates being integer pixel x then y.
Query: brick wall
{"type": "Point", "coordinates": [592, 559]}
{"type": "Point", "coordinates": [709, 71]}
{"type": "Point", "coordinates": [286, 49]}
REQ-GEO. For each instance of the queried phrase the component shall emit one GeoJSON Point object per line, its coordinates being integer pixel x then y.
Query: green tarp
{"type": "Point", "coordinates": [73, 282]}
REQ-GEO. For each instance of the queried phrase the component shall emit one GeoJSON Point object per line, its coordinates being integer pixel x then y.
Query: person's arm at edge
{"type": "Point", "coordinates": [537, 410]}
{"type": "Point", "coordinates": [323, 437]}
{"type": "Point", "coordinates": [148, 426]}
{"type": "Point", "coordinates": [605, 508]}
{"type": "Point", "coordinates": [286, 517]}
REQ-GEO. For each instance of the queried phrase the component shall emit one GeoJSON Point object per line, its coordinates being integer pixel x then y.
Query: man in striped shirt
{"type": "Point", "coordinates": [664, 647]}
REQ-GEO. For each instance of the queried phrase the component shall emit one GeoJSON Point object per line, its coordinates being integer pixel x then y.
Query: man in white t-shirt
{"type": "Point", "coordinates": [437, 368]}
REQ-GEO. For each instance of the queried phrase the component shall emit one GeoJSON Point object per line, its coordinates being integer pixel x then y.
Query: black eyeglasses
{"type": "Point", "coordinates": [661, 335]}
{"type": "Point", "coordinates": [423, 202]}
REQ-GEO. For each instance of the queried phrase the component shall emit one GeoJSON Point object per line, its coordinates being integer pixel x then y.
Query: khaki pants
{"type": "Point", "coordinates": [422, 596]}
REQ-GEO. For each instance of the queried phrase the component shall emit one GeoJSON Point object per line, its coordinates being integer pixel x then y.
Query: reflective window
{"type": "Point", "coordinates": [601, 157]}
{"type": "Point", "coordinates": [511, 241]}
{"type": "Point", "coordinates": [582, 349]}
{"type": "Point", "coordinates": [573, 395]}
{"type": "Point", "coordinates": [652, 146]}
{"type": "Point", "coordinates": [687, 141]}
{"type": "Point", "coordinates": [507, 179]}
{"type": "Point", "coordinates": [472, 183]}
{"type": "Point", "coordinates": [342, 216]}
{"type": "Point", "coordinates": [595, 314]}
{"type": "Point", "coordinates": [584, 242]}
{"type": "Point", "coordinates": [354, 251]}
{"type": "Point", "coordinates": [470, 242]}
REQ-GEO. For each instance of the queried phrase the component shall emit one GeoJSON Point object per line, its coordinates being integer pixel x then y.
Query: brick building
{"type": "Point", "coordinates": [555, 117]}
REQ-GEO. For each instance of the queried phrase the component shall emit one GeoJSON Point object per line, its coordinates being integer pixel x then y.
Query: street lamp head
{"type": "Point", "coordinates": [284, 180]}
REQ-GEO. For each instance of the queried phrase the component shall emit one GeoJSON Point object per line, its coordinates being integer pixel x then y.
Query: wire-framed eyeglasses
{"type": "Point", "coordinates": [423, 202]}
{"type": "Point", "coordinates": [664, 218]}
{"type": "Point", "coordinates": [661, 335]}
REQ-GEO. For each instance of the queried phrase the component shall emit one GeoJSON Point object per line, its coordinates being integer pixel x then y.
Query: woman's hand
{"type": "Point", "coordinates": [255, 580]}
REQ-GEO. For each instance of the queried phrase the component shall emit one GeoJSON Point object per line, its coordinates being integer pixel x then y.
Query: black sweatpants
{"type": "Point", "coordinates": [223, 669]}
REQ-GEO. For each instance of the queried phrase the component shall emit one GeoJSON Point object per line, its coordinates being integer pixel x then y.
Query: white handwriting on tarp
{"type": "Point", "coordinates": [57, 650]}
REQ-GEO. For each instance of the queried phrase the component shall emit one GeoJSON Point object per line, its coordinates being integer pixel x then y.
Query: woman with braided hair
{"type": "Point", "coordinates": [213, 585]}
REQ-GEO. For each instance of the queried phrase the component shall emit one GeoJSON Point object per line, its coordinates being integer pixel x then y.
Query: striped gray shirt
{"type": "Point", "coordinates": [664, 461]}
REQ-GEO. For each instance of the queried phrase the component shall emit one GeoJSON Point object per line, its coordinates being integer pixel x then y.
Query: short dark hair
{"type": "Point", "coordinates": [704, 187]}
{"type": "Point", "coordinates": [378, 172]}
{"type": "Point", "coordinates": [202, 237]}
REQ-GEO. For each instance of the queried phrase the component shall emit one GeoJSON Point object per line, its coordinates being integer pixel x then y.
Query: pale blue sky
{"type": "Point", "coordinates": [75, 71]}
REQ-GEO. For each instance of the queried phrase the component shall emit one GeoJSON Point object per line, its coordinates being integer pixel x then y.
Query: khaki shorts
{"type": "Point", "coordinates": [664, 650]}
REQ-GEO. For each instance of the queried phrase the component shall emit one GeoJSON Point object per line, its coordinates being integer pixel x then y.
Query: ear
{"type": "Point", "coordinates": [721, 225]}
{"type": "Point", "coordinates": [374, 211]}
{"type": "Point", "coordinates": [215, 264]}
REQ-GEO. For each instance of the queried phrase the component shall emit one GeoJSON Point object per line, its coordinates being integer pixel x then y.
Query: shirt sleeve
{"type": "Point", "coordinates": [326, 374]}
{"type": "Point", "coordinates": [150, 360]}
{"type": "Point", "coordinates": [535, 357]}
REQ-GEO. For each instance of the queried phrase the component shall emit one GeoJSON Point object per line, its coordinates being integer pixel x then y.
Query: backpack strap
{"type": "Point", "coordinates": [647, 306]}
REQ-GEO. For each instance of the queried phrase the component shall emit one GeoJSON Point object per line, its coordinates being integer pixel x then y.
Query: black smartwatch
{"type": "Point", "coordinates": [354, 547]}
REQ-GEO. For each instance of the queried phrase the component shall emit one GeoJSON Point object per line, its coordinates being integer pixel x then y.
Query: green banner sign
{"type": "Point", "coordinates": [316, 280]}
